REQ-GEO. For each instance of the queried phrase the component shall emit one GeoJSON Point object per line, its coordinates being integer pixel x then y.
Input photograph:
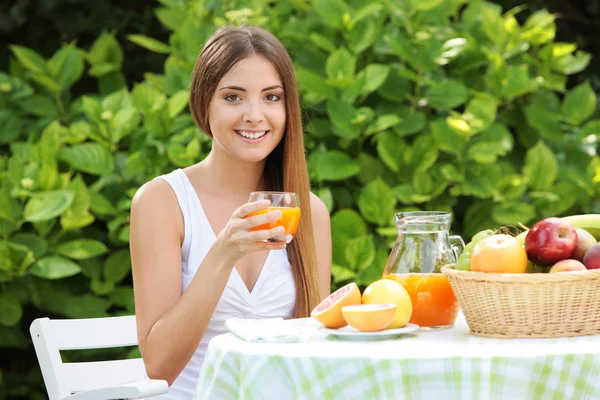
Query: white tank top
{"type": "Point", "coordinates": [273, 295]}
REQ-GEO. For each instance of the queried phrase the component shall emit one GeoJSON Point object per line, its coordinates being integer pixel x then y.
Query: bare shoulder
{"type": "Point", "coordinates": [318, 208]}
{"type": "Point", "coordinates": [157, 201]}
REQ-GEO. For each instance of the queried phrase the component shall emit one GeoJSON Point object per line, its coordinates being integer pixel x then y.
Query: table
{"type": "Point", "coordinates": [438, 365]}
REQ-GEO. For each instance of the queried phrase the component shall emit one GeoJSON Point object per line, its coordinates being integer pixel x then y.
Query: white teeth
{"type": "Point", "coordinates": [252, 135]}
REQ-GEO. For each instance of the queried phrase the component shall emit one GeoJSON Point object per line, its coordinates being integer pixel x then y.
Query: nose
{"type": "Point", "coordinates": [253, 112]}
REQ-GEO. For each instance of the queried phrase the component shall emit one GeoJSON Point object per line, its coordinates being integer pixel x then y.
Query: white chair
{"type": "Point", "coordinates": [98, 380]}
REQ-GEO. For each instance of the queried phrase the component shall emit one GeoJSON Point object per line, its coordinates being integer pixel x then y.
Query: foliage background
{"type": "Point", "coordinates": [482, 109]}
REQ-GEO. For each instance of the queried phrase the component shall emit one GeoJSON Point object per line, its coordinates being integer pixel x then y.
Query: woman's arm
{"type": "Point", "coordinates": [170, 325]}
{"type": "Point", "coordinates": [322, 232]}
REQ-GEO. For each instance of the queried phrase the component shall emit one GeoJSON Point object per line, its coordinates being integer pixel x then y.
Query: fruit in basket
{"type": "Point", "coordinates": [387, 291]}
{"type": "Point", "coordinates": [500, 253]}
{"type": "Point", "coordinates": [585, 241]}
{"type": "Point", "coordinates": [369, 317]}
{"type": "Point", "coordinates": [464, 260]}
{"type": "Point", "coordinates": [592, 257]}
{"type": "Point", "coordinates": [589, 222]}
{"type": "Point", "coordinates": [329, 311]}
{"type": "Point", "coordinates": [567, 265]}
{"type": "Point", "coordinates": [550, 240]}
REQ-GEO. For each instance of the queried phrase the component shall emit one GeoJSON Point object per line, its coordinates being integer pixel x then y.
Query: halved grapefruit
{"type": "Point", "coordinates": [369, 317]}
{"type": "Point", "coordinates": [329, 311]}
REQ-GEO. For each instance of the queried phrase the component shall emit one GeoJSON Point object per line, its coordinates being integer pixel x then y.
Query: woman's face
{"type": "Point", "coordinates": [247, 110]}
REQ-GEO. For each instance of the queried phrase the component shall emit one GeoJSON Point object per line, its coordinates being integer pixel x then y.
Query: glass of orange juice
{"type": "Point", "coordinates": [289, 205]}
{"type": "Point", "coordinates": [423, 246]}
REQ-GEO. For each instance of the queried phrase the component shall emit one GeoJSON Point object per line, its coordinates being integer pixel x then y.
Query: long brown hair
{"type": "Point", "coordinates": [285, 168]}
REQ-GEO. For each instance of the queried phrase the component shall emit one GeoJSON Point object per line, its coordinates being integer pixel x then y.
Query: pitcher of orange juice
{"type": "Point", "coordinates": [422, 248]}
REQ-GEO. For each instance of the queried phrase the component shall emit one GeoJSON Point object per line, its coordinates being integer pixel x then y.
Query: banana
{"type": "Point", "coordinates": [588, 222]}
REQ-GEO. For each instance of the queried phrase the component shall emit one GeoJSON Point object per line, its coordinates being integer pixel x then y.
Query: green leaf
{"type": "Point", "coordinates": [40, 106]}
{"type": "Point", "coordinates": [342, 114]}
{"type": "Point", "coordinates": [376, 202]}
{"type": "Point", "coordinates": [101, 69]}
{"type": "Point", "coordinates": [425, 5]}
{"type": "Point", "coordinates": [147, 98]}
{"type": "Point", "coordinates": [570, 64]}
{"type": "Point", "coordinates": [360, 252]}
{"type": "Point", "coordinates": [35, 243]}
{"type": "Point", "coordinates": [539, 27]}
{"type": "Point", "coordinates": [66, 66]}
{"type": "Point", "coordinates": [374, 76]}
{"type": "Point", "coordinates": [363, 34]}
{"type": "Point", "coordinates": [117, 266]}
{"type": "Point", "coordinates": [10, 125]}
{"type": "Point", "coordinates": [512, 213]}
{"type": "Point", "coordinates": [178, 102]}
{"type": "Point", "coordinates": [541, 167]}
{"type": "Point", "coordinates": [341, 274]}
{"type": "Point", "coordinates": [88, 157]}
{"type": "Point", "coordinates": [77, 216]}
{"type": "Point", "coordinates": [322, 42]}
{"type": "Point", "coordinates": [47, 205]}
{"type": "Point", "coordinates": [10, 310]}
{"type": "Point", "coordinates": [150, 43]}
{"type": "Point", "coordinates": [412, 122]}
{"type": "Point", "coordinates": [340, 65]}
{"type": "Point", "coordinates": [346, 224]}
{"type": "Point", "coordinates": [101, 205]}
{"type": "Point", "coordinates": [396, 87]}
{"type": "Point", "coordinates": [334, 165]}
{"type": "Point", "coordinates": [106, 49]}
{"type": "Point", "coordinates": [383, 122]}
{"type": "Point", "coordinates": [447, 95]}
{"type": "Point", "coordinates": [331, 11]}
{"type": "Point", "coordinates": [447, 140]}
{"type": "Point", "coordinates": [80, 249]}
{"type": "Point", "coordinates": [86, 306]}
{"type": "Point", "coordinates": [481, 112]}
{"type": "Point", "coordinates": [517, 82]}
{"type": "Point", "coordinates": [579, 104]}
{"type": "Point", "coordinates": [390, 148]}
{"type": "Point", "coordinates": [315, 83]}
{"type": "Point", "coordinates": [124, 123]}
{"type": "Point", "coordinates": [30, 59]}
{"type": "Point", "coordinates": [54, 267]}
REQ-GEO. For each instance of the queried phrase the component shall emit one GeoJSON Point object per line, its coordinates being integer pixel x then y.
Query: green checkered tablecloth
{"type": "Point", "coordinates": [440, 365]}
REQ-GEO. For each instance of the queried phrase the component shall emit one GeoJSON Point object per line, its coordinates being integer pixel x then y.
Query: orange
{"type": "Point", "coordinates": [386, 291]}
{"type": "Point", "coordinates": [369, 317]}
{"type": "Point", "coordinates": [433, 301]}
{"type": "Point", "coordinates": [499, 254]}
{"type": "Point", "coordinates": [290, 218]}
{"type": "Point", "coordinates": [329, 311]}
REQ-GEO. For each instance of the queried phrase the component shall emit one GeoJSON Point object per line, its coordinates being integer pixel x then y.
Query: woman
{"type": "Point", "coordinates": [195, 262]}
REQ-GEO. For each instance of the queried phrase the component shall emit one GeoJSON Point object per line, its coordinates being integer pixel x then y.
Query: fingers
{"type": "Point", "coordinates": [261, 219]}
{"type": "Point", "coordinates": [266, 234]}
{"type": "Point", "coordinates": [251, 207]}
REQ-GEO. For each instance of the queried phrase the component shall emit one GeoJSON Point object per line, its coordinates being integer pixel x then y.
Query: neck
{"type": "Point", "coordinates": [234, 176]}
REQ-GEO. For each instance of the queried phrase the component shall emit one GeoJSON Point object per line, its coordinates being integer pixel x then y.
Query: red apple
{"type": "Point", "coordinates": [567, 265]}
{"type": "Point", "coordinates": [585, 241]}
{"type": "Point", "coordinates": [550, 240]}
{"type": "Point", "coordinates": [592, 257]}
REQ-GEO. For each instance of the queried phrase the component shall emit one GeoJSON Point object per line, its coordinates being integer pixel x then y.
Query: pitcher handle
{"type": "Point", "coordinates": [456, 249]}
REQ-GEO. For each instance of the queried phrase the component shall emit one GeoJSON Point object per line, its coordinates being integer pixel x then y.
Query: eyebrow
{"type": "Point", "coordinates": [241, 89]}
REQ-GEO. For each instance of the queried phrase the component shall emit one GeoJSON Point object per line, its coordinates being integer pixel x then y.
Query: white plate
{"type": "Point", "coordinates": [351, 333]}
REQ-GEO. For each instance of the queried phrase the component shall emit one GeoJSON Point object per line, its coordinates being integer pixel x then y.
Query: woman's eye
{"type": "Point", "coordinates": [272, 97]}
{"type": "Point", "coordinates": [232, 97]}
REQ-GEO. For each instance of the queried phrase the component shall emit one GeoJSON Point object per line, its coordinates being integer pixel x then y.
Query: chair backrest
{"type": "Point", "coordinates": [50, 336]}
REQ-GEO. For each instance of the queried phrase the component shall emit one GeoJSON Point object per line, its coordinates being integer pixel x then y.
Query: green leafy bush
{"type": "Point", "coordinates": [430, 104]}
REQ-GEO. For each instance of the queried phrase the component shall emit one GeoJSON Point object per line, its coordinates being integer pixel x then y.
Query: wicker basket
{"type": "Point", "coordinates": [528, 305]}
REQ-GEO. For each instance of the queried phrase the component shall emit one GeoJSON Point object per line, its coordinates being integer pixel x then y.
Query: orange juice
{"type": "Point", "coordinates": [434, 303]}
{"type": "Point", "coordinates": [290, 218]}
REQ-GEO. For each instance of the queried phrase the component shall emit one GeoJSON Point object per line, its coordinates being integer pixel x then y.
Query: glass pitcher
{"type": "Point", "coordinates": [422, 248]}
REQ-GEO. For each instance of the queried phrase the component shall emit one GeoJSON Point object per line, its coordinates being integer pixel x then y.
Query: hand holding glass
{"type": "Point", "coordinates": [289, 205]}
